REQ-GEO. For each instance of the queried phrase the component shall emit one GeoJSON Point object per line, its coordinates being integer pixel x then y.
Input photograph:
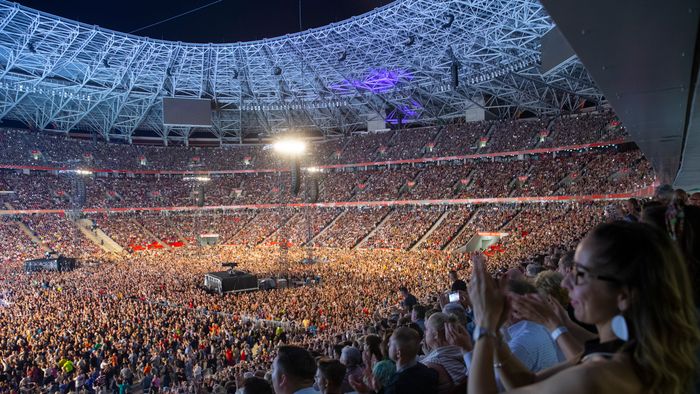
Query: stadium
{"type": "Point", "coordinates": [412, 196]}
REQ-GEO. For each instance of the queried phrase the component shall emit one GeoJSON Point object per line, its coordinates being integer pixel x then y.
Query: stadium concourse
{"type": "Point", "coordinates": [468, 212]}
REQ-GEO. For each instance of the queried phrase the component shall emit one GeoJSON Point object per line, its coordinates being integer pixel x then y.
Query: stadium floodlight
{"type": "Point", "coordinates": [83, 172]}
{"type": "Point", "coordinates": [290, 147]}
{"type": "Point", "coordinates": [197, 178]}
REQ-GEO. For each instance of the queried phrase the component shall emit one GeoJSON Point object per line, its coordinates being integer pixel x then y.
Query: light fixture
{"type": "Point", "coordinates": [196, 178]}
{"type": "Point", "coordinates": [291, 147]}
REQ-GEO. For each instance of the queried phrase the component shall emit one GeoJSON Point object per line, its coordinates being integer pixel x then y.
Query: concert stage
{"type": "Point", "coordinates": [230, 281]}
{"type": "Point", "coordinates": [60, 264]}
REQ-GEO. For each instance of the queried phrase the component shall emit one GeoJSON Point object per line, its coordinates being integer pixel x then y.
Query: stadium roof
{"type": "Point", "coordinates": [395, 62]}
{"type": "Point", "coordinates": [646, 60]}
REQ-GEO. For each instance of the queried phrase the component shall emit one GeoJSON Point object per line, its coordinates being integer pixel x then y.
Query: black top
{"type": "Point", "coordinates": [418, 379]}
{"type": "Point", "coordinates": [459, 284]}
{"type": "Point", "coordinates": [410, 301]}
{"type": "Point", "coordinates": [606, 350]}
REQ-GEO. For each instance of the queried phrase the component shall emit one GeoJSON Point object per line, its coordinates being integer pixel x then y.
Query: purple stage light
{"type": "Point", "coordinates": [376, 81]}
{"type": "Point", "coordinates": [408, 111]}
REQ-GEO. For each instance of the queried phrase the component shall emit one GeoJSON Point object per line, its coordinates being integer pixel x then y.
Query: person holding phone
{"type": "Point", "coordinates": [457, 285]}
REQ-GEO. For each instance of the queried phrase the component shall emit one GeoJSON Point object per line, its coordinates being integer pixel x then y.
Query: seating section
{"type": "Point", "coordinates": [586, 173]}
{"type": "Point", "coordinates": [361, 249]}
{"type": "Point", "coordinates": [25, 148]}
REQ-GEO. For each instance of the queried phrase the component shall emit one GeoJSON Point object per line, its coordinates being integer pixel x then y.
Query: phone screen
{"type": "Point", "coordinates": [454, 297]}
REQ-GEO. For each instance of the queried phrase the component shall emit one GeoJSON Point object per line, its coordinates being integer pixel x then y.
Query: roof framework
{"type": "Point", "coordinates": [63, 75]}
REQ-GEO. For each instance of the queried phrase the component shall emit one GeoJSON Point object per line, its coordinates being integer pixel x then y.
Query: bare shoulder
{"type": "Point", "coordinates": [610, 376]}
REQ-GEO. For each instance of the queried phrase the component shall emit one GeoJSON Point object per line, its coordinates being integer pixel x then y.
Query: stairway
{"type": "Point", "coordinates": [430, 231]}
{"type": "Point", "coordinates": [31, 235]}
{"type": "Point", "coordinates": [317, 236]}
{"type": "Point", "coordinates": [459, 232]}
{"type": "Point", "coordinates": [149, 233]}
{"type": "Point", "coordinates": [233, 237]}
{"type": "Point", "coordinates": [179, 233]}
{"type": "Point", "coordinates": [97, 236]}
{"type": "Point", "coordinates": [277, 231]}
{"type": "Point", "coordinates": [374, 230]}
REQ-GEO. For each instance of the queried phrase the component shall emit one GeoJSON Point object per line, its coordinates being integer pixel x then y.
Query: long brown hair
{"type": "Point", "coordinates": [662, 318]}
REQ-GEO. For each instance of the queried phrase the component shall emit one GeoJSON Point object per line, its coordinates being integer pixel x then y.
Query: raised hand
{"type": "Point", "coordinates": [536, 308]}
{"type": "Point", "coordinates": [488, 300]}
{"type": "Point", "coordinates": [358, 384]}
{"type": "Point", "coordinates": [457, 335]}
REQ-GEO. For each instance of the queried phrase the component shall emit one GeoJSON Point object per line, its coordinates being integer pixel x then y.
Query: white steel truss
{"type": "Point", "coordinates": [62, 75]}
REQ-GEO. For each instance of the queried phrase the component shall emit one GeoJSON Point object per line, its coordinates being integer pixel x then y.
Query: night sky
{"type": "Point", "coordinates": [226, 21]}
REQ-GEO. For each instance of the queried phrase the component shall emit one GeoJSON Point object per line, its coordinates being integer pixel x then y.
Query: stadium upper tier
{"type": "Point", "coordinates": [412, 60]}
{"type": "Point", "coordinates": [570, 174]}
{"type": "Point", "coordinates": [23, 148]}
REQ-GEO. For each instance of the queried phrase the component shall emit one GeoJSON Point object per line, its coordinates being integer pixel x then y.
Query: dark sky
{"type": "Point", "coordinates": [226, 21]}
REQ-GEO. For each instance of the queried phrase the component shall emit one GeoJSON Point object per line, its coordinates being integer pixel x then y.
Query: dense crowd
{"type": "Point", "coordinates": [428, 228]}
{"type": "Point", "coordinates": [120, 323]}
{"type": "Point", "coordinates": [573, 173]}
{"type": "Point", "coordinates": [373, 301]}
{"type": "Point", "coordinates": [20, 147]}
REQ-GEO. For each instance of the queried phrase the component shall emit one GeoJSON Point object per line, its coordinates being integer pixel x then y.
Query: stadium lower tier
{"type": "Point", "coordinates": [130, 308]}
{"type": "Point", "coordinates": [511, 232]}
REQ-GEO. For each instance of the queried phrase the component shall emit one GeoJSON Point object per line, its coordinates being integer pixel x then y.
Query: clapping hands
{"type": "Point", "coordinates": [487, 298]}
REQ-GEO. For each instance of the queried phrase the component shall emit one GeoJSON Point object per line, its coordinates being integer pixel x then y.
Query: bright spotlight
{"type": "Point", "coordinates": [83, 172]}
{"type": "Point", "coordinates": [290, 147]}
{"type": "Point", "coordinates": [197, 178]}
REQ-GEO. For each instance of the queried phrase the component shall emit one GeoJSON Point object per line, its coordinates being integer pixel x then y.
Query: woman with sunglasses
{"type": "Point", "coordinates": [630, 282]}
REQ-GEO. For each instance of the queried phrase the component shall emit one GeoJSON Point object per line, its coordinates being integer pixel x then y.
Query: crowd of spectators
{"type": "Point", "coordinates": [513, 135]}
{"type": "Point", "coordinates": [351, 227]}
{"type": "Point", "coordinates": [457, 140]}
{"type": "Point", "coordinates": [583, 128]}
{"type": "Point", "coordinates": [59, 234]}
{"type": "Point", "coordinates": [378, 318]}
{"type": "Point", "coordinates": [141, 320]}
{"type": "Point", "coordinates": [450, 226]}
{"type": "Point", "coordinates": [26, 148]}
{"type": "Point", "coordinates": [403, 228]}
{"type": "Point", "coordinates": [569, 173]}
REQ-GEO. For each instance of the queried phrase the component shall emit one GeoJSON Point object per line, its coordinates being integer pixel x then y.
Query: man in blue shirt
{"type": "Point", "coordinates": [530, 342]}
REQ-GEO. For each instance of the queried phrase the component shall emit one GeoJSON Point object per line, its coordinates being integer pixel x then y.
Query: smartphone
{"type": "Point", "coordinates": [454, 296]}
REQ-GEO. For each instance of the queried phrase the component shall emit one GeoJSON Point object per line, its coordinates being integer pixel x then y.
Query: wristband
{"type": "Point", "coordinates": [558, 332]}
{"type": "Point", "coordinates": [480, 332]}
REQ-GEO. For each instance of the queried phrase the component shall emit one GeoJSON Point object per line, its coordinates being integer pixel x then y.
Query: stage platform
{"type": "Point", "coordinates": [230, 281]}
{"type": "Point", "coordinates": [59, 264]}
